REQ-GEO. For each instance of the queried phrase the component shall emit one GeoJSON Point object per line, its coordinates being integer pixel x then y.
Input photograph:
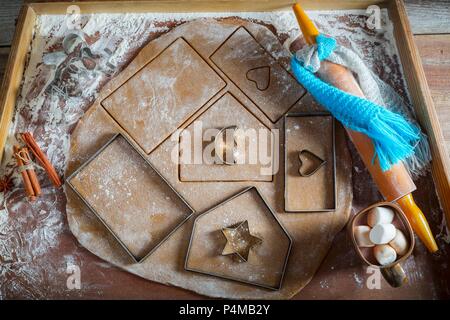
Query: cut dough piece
{"type": "Point", "coordinates": [382, 233]}
{"type": "Point", "coordinates": [313, 133]}
{"type": "Point", "coordinates": [242, 59]}
{"type": "Point", "coordinates": [130, 198]}
{"type": "Point", "coordinates": [225, 112]}
{"type": "Point", "coordinates": [362, 236]}
{"type": "Point", "coordinates": [267, 261]}
{"type": "Point", "coordinates": [384, 254]}
{"type": "Point", "coordinates": [399, 243]}
{"type": "Point", "coordinates": [162, 95]}
{"type": "Point", "coordinates": [380, 215]}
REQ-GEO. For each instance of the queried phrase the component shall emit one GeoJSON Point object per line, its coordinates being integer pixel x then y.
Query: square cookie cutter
{"type": "Point", "coordinates": [105, 224]}
{"type": "Point", "coordinates": [311, 114]}
{"type": "Point", "coordinates": [267, 98]}
{"type": "Point", "coordinates": [284, 230]}
{"type": "Point", "coordinates": [154, 130]}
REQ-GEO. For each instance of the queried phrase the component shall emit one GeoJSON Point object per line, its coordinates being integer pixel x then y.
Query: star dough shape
{"type": "Point", "coordinates": [239, 241]}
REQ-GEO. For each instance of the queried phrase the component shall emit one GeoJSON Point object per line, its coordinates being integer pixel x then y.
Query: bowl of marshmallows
{"type": "Point", "coordinates": [383, 238]}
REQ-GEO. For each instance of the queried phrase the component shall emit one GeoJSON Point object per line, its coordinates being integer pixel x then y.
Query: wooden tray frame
{"type": "Point", "coordinates": [413, 70]}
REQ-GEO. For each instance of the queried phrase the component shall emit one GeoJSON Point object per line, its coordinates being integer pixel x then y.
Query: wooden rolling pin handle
{"type": "Point", "coordinates": [417, 218]}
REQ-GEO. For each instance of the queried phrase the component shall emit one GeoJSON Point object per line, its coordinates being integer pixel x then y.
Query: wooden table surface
{"type": "Point", "coordinates": [430, 21]}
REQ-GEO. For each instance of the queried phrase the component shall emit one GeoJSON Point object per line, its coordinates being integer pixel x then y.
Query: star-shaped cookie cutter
{"type": "Point", "coordinates": [239, 241]}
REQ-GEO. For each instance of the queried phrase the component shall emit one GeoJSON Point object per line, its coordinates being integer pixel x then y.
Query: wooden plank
{"type": "Point", "coordinates": [422, 101]}
{"type": "Point", "coordinates": [435, 53]}
{"type": "Point", "coordinates": [114, 6]}
{"type": "Point", "coordinates": [9, 10]}
{"type": "Point", "coordinates": [14, 71]}
{"type": "Point", "coordinates": [428, 16]}
{"type": "Point", "coordinates": [4, 53]}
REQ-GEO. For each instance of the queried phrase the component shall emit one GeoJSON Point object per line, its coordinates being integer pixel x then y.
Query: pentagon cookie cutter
{"type": "Point", "coordinates": [232, 278]}
{"type": "Point", "coordinates": [104, 223]}
{"type": "Point", "coordinates": [322, 162]}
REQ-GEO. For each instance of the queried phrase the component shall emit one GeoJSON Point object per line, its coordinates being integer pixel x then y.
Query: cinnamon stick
{"type": "Point", "coordinates": [26, 180]}
{"type": "Point", "coordinates": [25, 155]}
{"type": "Point", "coordinates": [42, 158]}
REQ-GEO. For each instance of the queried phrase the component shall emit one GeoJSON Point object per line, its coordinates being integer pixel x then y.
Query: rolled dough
{"type": "Point", "coordinates": [312, 233]}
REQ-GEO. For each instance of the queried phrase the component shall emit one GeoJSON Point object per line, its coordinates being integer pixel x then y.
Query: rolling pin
{"type": "Point", "coordinates": [394, 184]}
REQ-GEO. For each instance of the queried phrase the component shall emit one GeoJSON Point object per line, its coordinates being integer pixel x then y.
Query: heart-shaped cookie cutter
{"type": "Point", "coordinates": [266, 83]}
{"type": "Point", "coordinates": [321, 161]}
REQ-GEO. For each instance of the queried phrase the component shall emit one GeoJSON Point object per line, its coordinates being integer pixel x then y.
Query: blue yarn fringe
{"type": "Point", "coordinates": [394, 137]}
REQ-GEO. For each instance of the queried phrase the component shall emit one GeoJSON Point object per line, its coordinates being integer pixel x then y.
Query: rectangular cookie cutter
{"type": "Point", "coordinates": [310, 114]}
{"type": "Point", "coordinates": [105, 224]}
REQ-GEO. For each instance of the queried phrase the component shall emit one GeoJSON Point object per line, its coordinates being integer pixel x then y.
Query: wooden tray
{"type": "Point", "coordinates": [414, 74]}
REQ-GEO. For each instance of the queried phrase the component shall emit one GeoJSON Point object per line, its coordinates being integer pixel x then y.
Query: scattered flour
{"type": "Point", "coordinates": [358, 279]}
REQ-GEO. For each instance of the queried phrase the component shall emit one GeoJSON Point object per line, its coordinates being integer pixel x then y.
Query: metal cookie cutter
{"type": "Point", "coordinates": [307, 153]}
{"type": "Point", "coordinates": [239, 241]}
{"type": "Point", "coordinates": [76, 60]}
{"type": "Point", "coordinates": [189, 210]}
{"type": "Point", "coordinates": [315, 157]}
{"type": "Point", "coordinates": [221, 146]}
{"type": "Point", "coordinates": [243, 226]}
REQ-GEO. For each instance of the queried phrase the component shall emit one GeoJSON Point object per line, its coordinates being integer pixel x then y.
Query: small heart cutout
{"type": "Point", "coordinates": [260, 76]}
{"type": "Point", "coordinates": [309, 163]}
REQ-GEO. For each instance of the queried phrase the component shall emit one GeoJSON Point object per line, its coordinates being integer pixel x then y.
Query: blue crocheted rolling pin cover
{"type": "Point", "coordinates": [393, 136]}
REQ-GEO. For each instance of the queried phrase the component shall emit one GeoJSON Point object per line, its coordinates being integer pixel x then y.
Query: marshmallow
{"type": "Point", "coordinates": [399, 243]}
{"type": "Point", "coordinates": [384, 254]}
{"type": "Point", "coordinates": [379, 215]}
{"type": "Point", "coordinates": [382, 233]}
{"type": "Point", "coordinates": [362, 236]}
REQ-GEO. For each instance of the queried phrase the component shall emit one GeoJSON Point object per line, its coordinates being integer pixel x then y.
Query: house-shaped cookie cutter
{"type": "Point", "coordinates": [94, 211]}
{"type": "Point", "coordinates": [226, 277]}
